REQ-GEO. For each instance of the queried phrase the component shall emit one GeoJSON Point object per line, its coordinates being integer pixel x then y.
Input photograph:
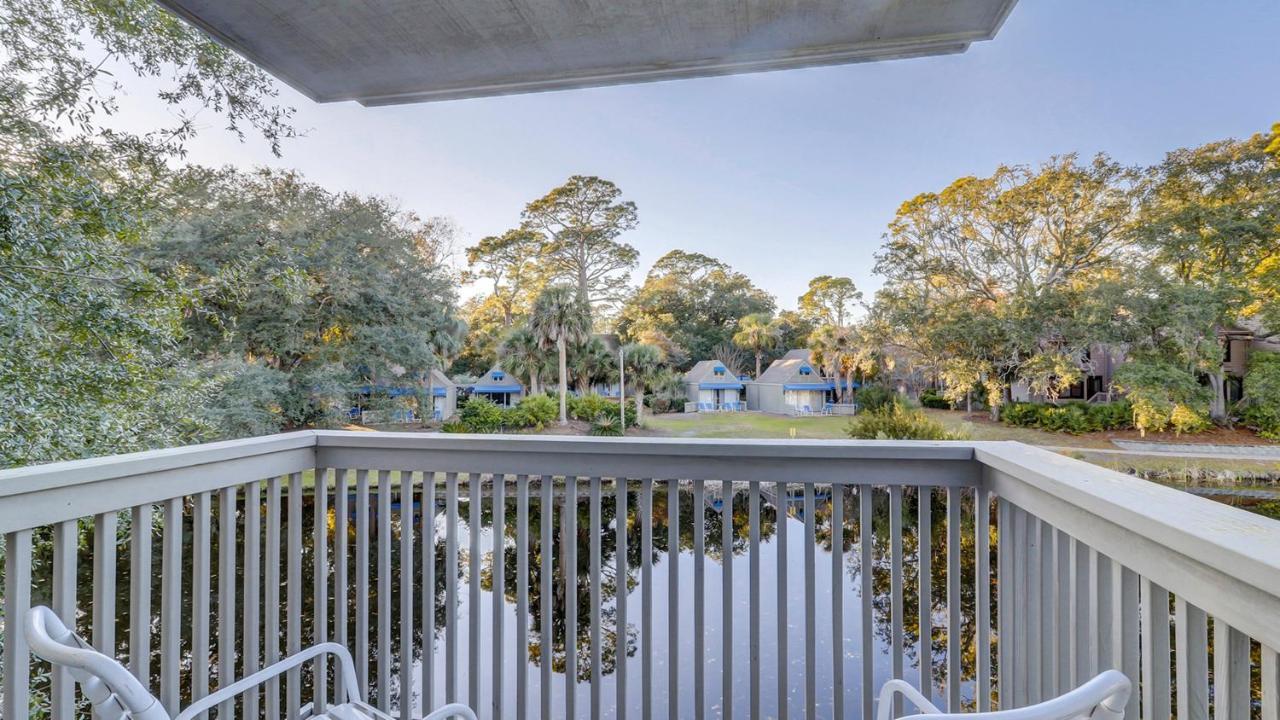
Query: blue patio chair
{"type": "Point", "coordinates": [806, 410]}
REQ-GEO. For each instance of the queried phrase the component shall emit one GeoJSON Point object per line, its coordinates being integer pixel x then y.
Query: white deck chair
{"type": "Point", "coordinates": [116, 694]}
{"type": "Point", "coordinates": [1102, 698]}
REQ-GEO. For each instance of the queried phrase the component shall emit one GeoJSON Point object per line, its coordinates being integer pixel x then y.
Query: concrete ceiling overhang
{"type": "Point", "coordinates": [381, 52]}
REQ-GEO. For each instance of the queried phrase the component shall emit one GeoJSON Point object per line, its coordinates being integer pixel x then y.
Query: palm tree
{"type": "Point", "coordinates": [523, 356]}
{"type": "Point", "coordinates": [591, 361]}
{"type": "Point", "coordinates": [839, 352]}
{"type": "Point", "coordinates": [445, 344]}
{"type": "Point", "coordinates": [558, 319]}
{"type": "Point", "coordinates": [758, 334]}
{"type": "Point", "coordinates": [641, 362]}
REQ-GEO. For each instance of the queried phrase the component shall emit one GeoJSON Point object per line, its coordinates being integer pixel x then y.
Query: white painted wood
{"type": "Point", "coordinates": [140, 576]}
{"type": "Point", "coordinates": [475, 484]}
{"type": "Point", "coordinates": [621, 576]}
{"type": "Point", "coordinates": [1004, 599]}
{"type": "Point", "coordinates": [499, 574]}
{"type": "Point", "coordinates": [924, 591]}
{"type": "Point", "coordinates": [104, 582]}
{"type": "Point", "coordinates": [522, 596]}
{"type": "Point", "coordinates": [546, 596]}
{"type": "Point", "coordinates": [753, 624]}
{"type": "Point", "coordinates": [569, 541]}
{"type": "Point", "coordinates": [405, 652]}
{"type": "Point", "coordinates": [780, 542]}
{"type": "Point", "coordinates": [646, 520]}
{"type": "Point", "coordinates": [593, 584]}
{"type": "Point", "coordinates": [17, 600]}
{"type": "Point", "coordinates": [320, 586]}
{"type": "Point", "coordinates": [1125, 629]}
{"type": "Point", "coordinates": [865, 564]}
{"type": "Point", "coordinates": [200, 573]}
{"type": "Point", "coordinates": [1155, 651]}
{"type": "Point", "coordinates": [171, 605]}
{"type": "Point", "coordinates": [341, 578]}
{"type": "Point", "coordinates": [1063, 660]}
{"type": "Point", "coordinates": [65, 544]}
{"type": "Point", "coordinates": [982, 590]}
{"type": "Point", "coordinates": [699, 659]}
{"type": "Point", "coordinates": [1102, 613]}
{"type": "Point", "coordinates": [427, 535]}
{"type": "Point", "coordinates": [954, 671]}
{"type": "Point", "coordinates": [810, 606]}
{"type": "Point", "coordinates": [1021, 609]}
{"type": "Point", "coordinates": [385, 598]}
{"type": "Point", "coordinates": [251, 576]}
{"type": "Point", "coordinates": [1230, 672]}
{"type": "Point", "coordinates": [293, 593]}
{"type": "Point", "coordinates": [451, 588]}
{"type": "Point", "coordinates": [362, 581]}
{"type": "Point", "coordinates": [271, 596]}
{"type": "Point", "coordinates": [673, 597]}
{"type": "Point", "coordinates": [1048, 613]}
{"type": "Point", "coordinates": [896, 590]}
{"type": "Point", "coordinates": [726, 601]}
{"type": "Point", "coordinates": [1270, 684]}
{"type": "Point", "coordinates": [1192, 642]}
{"type": "Point", "coordinates": [227, 534]}
{"type": "Point", "coordinates": [1081, 642]}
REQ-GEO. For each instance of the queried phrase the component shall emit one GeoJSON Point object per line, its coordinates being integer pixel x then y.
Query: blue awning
{"type": "Point", "coordinates": [497, 388]}
{"type": "Point", "coordinates": [807, 386]}
{"type": "Point", "coordinates": [439, 391]}
{"type": "Point", "coordinates": [720, 386]}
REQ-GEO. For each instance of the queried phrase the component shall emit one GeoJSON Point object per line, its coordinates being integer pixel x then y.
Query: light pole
{"type": "Point", "coordinates": [622, 387]}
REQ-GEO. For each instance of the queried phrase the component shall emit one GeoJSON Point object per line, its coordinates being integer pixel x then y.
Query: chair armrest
{"type": "Point", "coordinates": [452, 710]}
{"type": "Point", "coordinates": [885, 711]}
{"type": "Point", "coordinates": [242, 685]}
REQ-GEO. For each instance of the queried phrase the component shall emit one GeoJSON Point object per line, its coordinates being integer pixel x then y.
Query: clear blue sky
{"type": "Point", "coordinates": [788, 175]}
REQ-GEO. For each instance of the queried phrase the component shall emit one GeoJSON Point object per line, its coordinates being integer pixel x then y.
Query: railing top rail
{"type": "Point", "coordinates": [17, 481]}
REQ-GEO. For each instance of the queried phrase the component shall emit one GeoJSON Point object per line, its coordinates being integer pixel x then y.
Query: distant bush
{"type": "Point", "coordinates": [606, 425]}
{"type": "Point", "coordinates": [537, 411]}
{"type": "Point", "coordinates": [874, 397]}
{"type": "Point", "coordinates": [1070, 418]}
{"type": "Point", "coordinates": [931, 399]}
{"type": "Point", "coordinates": [454, 426]}
{"type": "Point", "coordinates": [480, 415]}
{"type": "Point", "coordinates": [1163, 395]}
{"type": "Point", "coordinates": [895, 421]}
{"type": "Point", "coordinates": [592, 406]}
{"type": "Point", "coordinates": [1261, 406]}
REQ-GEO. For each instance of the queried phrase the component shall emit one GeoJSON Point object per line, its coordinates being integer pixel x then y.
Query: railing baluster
{"type": "Point", "coordinates": [171, 606]}
{"type": "Point", "coordinates": [17, 600]}
{"type": "Point", "coordinates": [1020, 610]}
{"type": "Point", "coordinates": [406, 594]}
{"type": "Point", "coordinates": [1125, 629]}
{"type": "Point", "coordinates": [1155, 650]}
{"type": "Point", "coordinates": [104, 582]}
{"type": "Point", "coordinates": [810, 605]}
{"type": "Point", "coordinates": [982, 589]}
{"type": "Point", "coordinates": [475, 484]}
{"type": "Point", "coordinates": [341, 586]}
{"type": "Point", "coordinates": [726, 600]}
{"type": "Point", "coordinates": [837, 597]}
{"type": "Point", "coordinates": [593, 539]}
{"type": "Point", "coordinates": [522, 595]}
{"type": "Point", "coordinates": [1192, 641]}
{"type": "Point", "coordinates": [569, 537]}
{"type": "Point", "coordinates": [140, 576]}
{"type": "Point", "coordinates": [499, 506]}
{"type": "Point", "coordinates": [896, 588]}
{"type": "Point", "coordinates": [866, 567]}
{"type": "Point", "coordinates": [1230, 672]}
{"type": "Point", "coordinates": [362, 581]}
{"type": "Point", "coordinates": [1062, 658]}
{"type": "Point", "coordinates": [1270, 684]}
{"type": "Point", "coordinates": [385, 600]}
{"type": "Point", "coordinates": [699, 602]}
{"type": "Point", "coordinates": [546, 595]}
{"type": "Point", "coordinates": [227, 532]}
{"type": "Point", "coordinates": [780, 533]}
{"type": "Point", "coordinates": [293, 591]}
{"type": "Point", "coordinates": [271, 598]}
{"type": "Point", "coordinates": [673, 599]}
{"type": "Point", "coordinates": [320, 586]}
{"type": "Point", "coordinates": [252, 578]}
{"type": "Point", "coordinates": [1102, 613]}
{"type": "Point", "coordinates": [1081, 592]}
{"type": "Point", "coordinates": [428, 540]}
{"type": "Point", "coordinates": [753, 529]}
{"type": "Point", "coordinates": [65, 544]}
{"type": "Point", "coordinates": [646, 599]}
{"type": "Point", "coordinates": [620, 603]}
{"type": "Point", "coordinates": [1004, 598]}
{"type": "Point", "coordinates": [924, 581]}
{"type": "Point", "coordinates": [1048, 656]}
{"type": "Point", "coordinates": [1033, 619]}
{"type": "Point", "coordinates": [954, 672]}
{"type": "Point", "coordinates": [200, 570]}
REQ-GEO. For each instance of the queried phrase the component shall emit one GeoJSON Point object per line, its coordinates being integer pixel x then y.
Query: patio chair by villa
{"type": "Point", "coordinates": [1102, 698]}
{"type": "Point", "coordinates": [116, 694]}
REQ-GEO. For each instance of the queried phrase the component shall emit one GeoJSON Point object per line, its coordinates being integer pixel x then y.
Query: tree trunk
{"type": "Point", "coordinates": [564, 381]}
{"type": "Point", "coordinates": [430, 411]}
{"type": "Point", "coordinates": [1218, 401]}
{"type": "Point", "coordinates": [639, 404]}
{"type": "Point", "coordinates": [968, 402]}
{"type": "Point", "coordinates": [758, 355]}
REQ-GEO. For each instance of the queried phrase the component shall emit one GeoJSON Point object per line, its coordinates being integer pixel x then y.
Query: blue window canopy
{"type": "Point", "coordinates": [718, 371]}
{"type": "Point", "coordinates": [806, 370]}
{"type": "Point", "coordinates": [499, 375]}
{"type": "Point", "coordinates": [720, 386]}
{"type": "Point", "coordinates": [807, 386]}
{"type": "Point", "coordinates": [497, 388]}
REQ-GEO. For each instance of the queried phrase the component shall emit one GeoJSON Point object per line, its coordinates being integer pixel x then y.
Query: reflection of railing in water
{"type": "Point", "coordinates": [1091, 556]}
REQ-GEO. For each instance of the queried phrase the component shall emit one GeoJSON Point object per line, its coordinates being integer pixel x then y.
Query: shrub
{"type": "Point", "coordinates": [538, 411]}
{"type": "Point", "coordinates": [896, 422]}
{"type": "Point", "coordinates": [931, 399]}
{"type": "Point", "coordinates": [587, 407]}
{"type": "Point", "coordinates": [606, 425]}
{"type": "Point", "coordinates": [454, 426]}
{"type": "Point", "coordinates": [480, 415]}
{"type": "Point", "coordinates": [1072, 418]}
{"type": "Point", "coordinates": [1261, 407]}
{"type": "Point", "coordinates": [1157, 389]}
{"type": "Point", "coordinates": [874, 397]}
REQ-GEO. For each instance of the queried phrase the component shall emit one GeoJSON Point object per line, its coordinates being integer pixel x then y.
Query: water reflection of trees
{"type": "Point", "coordinates": [613, 645]}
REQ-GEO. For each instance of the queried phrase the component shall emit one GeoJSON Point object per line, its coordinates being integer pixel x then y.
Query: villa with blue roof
{"type": "Point", "coordinates": [710, 386]}
{"type": "Point", "coordinates": [792, 384]}
{"type": "Point", "coordinates": [498, 386]}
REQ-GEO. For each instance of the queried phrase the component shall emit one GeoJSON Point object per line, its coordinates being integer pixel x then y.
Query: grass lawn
{"type": "Point", "coordinates": [746, 425]}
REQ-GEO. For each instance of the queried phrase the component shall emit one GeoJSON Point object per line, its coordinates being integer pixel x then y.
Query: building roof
{"type": "Point", "coordinates": [496, 380]}
{"type": "Point", "coordinates": [787, 370]}
{"type": "Point", "coordinates": [704, 375]}
{"type": "Point", "coordinates": [381, 52]}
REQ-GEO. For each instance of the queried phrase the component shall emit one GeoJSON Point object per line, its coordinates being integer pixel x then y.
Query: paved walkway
{"type": "Point", "coordinates": [1191, 451]}
{"type": "Point", "coordinates": [1230, 451]}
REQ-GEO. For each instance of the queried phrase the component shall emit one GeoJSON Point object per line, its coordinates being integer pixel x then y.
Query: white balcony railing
{"type": "Point", "coordinates": [710, 581]}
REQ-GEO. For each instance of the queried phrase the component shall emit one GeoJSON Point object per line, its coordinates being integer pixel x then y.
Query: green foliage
{"type": "Point", "coordinates": [1163, 395]}
{"type": "Point", "coordinates": [481, 415]}
{"type": "Point", "coordinates": [1261, 409]}
{"type": "Point", "coordinates": [931, 399]}
{"type": "Point", "coordinates": [607, 426]}
{"type": "Point", "coordinates": [1071, 418]}
{"type": "Point", "coordinates": [537, 411]}
{"type": "Point", "coordinates": [894, 421]}
{"type": "Point", "coordinates": [875, 397]}
{"type": "Point", "coordinates": [830, 300]}
{"type": "Point", "coordinates": [248, 399]}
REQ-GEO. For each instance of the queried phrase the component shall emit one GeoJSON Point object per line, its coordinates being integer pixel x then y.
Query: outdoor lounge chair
{"type": "Point", "coordinates": [1102, 698]}
{"type": "Point", "coordinates": [116, 694]}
